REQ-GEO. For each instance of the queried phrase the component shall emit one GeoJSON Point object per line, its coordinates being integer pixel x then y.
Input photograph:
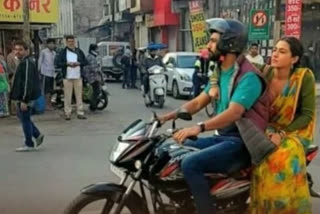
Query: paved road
{"type": "Point", "coordinates": [75, 154]}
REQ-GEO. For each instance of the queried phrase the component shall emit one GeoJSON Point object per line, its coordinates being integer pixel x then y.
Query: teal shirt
{"type": "Point", "coordinates": [246, 93]}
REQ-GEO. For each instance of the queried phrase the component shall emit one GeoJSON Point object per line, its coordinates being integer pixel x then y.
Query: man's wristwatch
{"type": "Point", "coordinates": [202, 126]}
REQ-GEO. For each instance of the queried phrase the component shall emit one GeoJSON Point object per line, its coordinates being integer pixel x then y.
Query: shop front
{"type": "Point", "coordinates": [43, 13]}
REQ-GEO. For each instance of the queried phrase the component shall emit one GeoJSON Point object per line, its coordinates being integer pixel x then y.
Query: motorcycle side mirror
{"type": "Point", "coordinates": [184, 115]}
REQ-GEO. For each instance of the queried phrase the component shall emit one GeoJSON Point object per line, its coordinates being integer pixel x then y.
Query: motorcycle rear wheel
{"type": "Point", "coordinates": [103, 101]}
{"type": "Point", "coordinates": [83, 200]}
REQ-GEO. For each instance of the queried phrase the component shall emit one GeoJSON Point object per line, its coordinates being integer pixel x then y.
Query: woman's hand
{"type": "Point", "coordinates": [275, 138]}
{"type": "Point", "coordinates": [182, 135]}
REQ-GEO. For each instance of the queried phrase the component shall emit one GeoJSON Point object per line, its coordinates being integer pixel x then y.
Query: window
{"type": "Point", "coordinates": [133, 3]}
{"type": "Point", "coordinates": [103, 51]}
{"type": "Point", "coordinates": [106, 9]}
{"type": "Point", "coordinates": [186, 61]}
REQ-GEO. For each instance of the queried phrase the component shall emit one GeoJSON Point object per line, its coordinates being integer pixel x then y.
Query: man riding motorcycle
{"type": "Point", "coordinates": [152, 59]}
{"type": "Point", "coordinates": [242, 95]}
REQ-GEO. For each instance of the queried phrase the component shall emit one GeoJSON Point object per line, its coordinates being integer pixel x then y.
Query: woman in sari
{"type": "Point", "coordinates": [279, 184]}
{"type": "Point", "coordinates": [4, 89]}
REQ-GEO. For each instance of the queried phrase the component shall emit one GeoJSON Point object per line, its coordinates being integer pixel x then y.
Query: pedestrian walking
{"type": "Point", "coordinates": [47, 69]}
{"type": "Point", "coordinates": [133, 70]}
{"type": "Point", "coordinates": [25, 90]}
{"type": "Point", "coordinates": [126, 63]}
{"type": "Point", "coordinates": [141, 66]}
{"type": "Point", "coordinates": [71, 61]}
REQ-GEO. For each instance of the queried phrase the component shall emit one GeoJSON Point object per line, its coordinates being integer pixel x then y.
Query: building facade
{"type": "Point", "coordinates": [42, 18]}
{"type": "Point", "coordinates": [86, 14]}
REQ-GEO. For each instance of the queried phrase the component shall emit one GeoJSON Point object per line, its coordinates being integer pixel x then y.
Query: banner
{"type": "Point", "coordinates": [198, 26]}
{"type": "Point", "coordinates": [41, 11]}
{"type": "Point", "coordinates": [293, 18]}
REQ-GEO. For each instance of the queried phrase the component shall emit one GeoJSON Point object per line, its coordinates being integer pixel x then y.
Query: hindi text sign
{"type": "Point", "coordinates": [41, 11]}
{"type": "Point", "coordinates": [198, 26]}
{"type": "Point", "coordinates": [293, 18]}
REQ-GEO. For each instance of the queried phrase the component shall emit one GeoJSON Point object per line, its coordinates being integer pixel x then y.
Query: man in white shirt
{"type": "Point", "coordinates": [46, 68]}
{"type": "Point", "coordinates": [71, 61]}
{"type": "Point", "coordinates": [254, 57]}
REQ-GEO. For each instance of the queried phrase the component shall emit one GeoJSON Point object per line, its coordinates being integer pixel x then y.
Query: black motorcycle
{"type": "Point", "coordinates": [58, 94]}
{"type": "Point", "coordinates": [152, 163]}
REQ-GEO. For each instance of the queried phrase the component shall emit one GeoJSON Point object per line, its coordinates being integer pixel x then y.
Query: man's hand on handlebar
{"type": "Point", "coordinates": [182, 135]}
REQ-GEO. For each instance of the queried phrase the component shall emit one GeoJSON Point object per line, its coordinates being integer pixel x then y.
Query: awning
{"type": "Point", "coordinates": [163, 15]}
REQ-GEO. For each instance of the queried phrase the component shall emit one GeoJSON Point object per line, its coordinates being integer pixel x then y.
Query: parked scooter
{"type": "Point", "coordinates": [157, 87]}
{"type": "Point", "coordinates": [145, 160]}
{"type": "Point", "coordinates": [58, 94]}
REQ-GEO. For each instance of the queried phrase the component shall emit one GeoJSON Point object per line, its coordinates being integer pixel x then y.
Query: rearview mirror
{"type": "Point", "coordinates": [184, 115]}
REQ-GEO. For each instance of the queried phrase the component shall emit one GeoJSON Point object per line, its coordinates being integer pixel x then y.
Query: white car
{"type": "Point", "coordinates": [180, 68]}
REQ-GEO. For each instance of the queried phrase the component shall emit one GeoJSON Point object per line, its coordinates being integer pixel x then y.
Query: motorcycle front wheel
{"type": "Point", "coordinates": [84, 204]}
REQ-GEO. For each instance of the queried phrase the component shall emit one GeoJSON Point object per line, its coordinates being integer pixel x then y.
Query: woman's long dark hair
{"type": "Point", "coordinates": [296, 48]}
{"type": "Point", "coordinates": [93, 47]}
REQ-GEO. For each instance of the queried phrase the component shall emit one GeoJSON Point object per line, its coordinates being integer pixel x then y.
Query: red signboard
{"type": "Point", "coordinates": [293, 18]}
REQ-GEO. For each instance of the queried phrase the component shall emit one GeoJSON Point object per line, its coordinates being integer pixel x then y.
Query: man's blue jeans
{"type": "Point", "coordinates": [28, 127]}
{"type": "Point", "coordinates": [217, 154]}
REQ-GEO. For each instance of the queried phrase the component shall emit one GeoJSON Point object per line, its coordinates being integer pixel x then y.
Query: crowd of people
{"type": "Point", "coordinates": [23, 83]}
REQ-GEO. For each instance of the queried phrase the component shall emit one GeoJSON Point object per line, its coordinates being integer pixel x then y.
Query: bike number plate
{"type": "Point", "coordinates": [118, 172]}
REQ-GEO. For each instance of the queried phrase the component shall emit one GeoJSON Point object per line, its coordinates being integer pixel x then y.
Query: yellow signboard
{"type": "Point", "coordinates": [41, 11]}
{"type": "Point", "coordinates": [198, 26]}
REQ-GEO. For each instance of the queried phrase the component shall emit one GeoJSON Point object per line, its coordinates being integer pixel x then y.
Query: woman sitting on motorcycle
{"type": "Point", "coordinates": [92, 75]}
{"type": "Point", "coordinates": [279, 184]}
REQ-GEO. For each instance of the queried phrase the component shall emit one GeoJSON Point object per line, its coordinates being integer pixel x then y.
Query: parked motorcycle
{"type": "Point", "coordinates": [153, 164]}
{"type": "Point", "coordinates": [157, 87]}
{"type": "Point", "coordinates": [58, 94]}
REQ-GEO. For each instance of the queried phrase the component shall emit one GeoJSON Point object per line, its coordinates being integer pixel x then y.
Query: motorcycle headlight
{"type": "Point", "coordinates": [117, 150]}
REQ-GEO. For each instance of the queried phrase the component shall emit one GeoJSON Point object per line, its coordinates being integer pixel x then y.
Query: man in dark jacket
{"type": "Point", "coordinates": [71, 61]}
{"type": "Point", "coordinates": [25, 90]}
{"type": "Point", "coordinates": [126, 62]}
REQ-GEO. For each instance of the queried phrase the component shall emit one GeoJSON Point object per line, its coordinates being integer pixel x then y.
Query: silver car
{"type": "Point", "coordinates": [180, 69]}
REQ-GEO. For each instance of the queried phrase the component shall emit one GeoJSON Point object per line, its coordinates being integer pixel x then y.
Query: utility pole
{"type": "Point", "coordinates": [26, 22]}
